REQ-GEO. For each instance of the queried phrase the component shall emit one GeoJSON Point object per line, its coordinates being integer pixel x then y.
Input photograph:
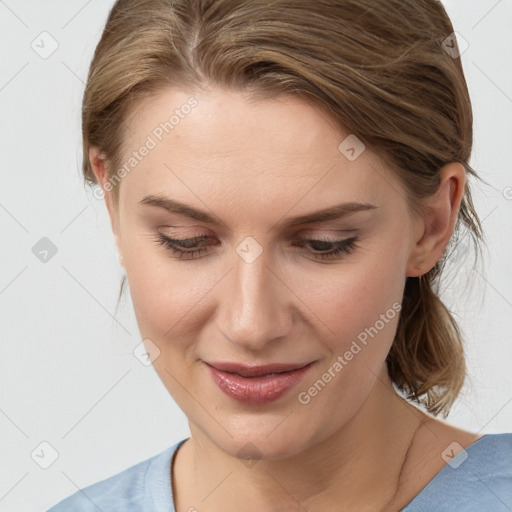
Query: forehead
{"type": "Point", "coordinates": [222, 143]}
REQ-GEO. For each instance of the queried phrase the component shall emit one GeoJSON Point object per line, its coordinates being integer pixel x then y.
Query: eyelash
{"type": "Point", "coordinates": [341, 247]}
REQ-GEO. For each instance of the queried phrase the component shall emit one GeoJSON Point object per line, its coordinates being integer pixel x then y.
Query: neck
{"type": "Point", "coordinates": [358, 467]}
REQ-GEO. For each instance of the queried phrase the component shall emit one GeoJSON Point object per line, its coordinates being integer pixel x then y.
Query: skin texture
{"type": "Point", "coordinates": [253, 165]}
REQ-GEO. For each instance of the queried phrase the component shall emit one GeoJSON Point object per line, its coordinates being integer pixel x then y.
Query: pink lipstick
{"type": "Point", "coordinates": [256, 384]}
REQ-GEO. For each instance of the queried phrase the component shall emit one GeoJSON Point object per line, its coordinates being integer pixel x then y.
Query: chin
{"type": "Point", "coordinates": [273, 437]}
{"type": "Point", "coordinates": [251, 449]}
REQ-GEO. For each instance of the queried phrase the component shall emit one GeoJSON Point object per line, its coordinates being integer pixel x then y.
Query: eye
{"type": "Point", "coordinates": [322, 249]}
{"type": "Point", "coordinates": [329, 249]}
{"type": "Point", "coordinates": [184, 248]}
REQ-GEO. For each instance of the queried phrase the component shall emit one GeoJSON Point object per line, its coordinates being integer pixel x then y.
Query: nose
{"type": "Point", "coordinates": [255, 305]}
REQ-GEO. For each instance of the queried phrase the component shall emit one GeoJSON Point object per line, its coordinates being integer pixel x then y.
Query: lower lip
{"type": "Point", "coordinates": [257, 390]}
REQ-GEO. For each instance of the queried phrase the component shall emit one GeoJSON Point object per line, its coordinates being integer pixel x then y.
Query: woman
{"type": "Point", "coordinates": [285, 180]}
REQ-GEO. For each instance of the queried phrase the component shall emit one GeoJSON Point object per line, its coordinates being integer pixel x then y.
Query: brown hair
{"type": "Point", "coordinates": [378, 67]}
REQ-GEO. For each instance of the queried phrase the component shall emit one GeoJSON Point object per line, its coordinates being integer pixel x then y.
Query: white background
{"type": "Point", "coordinates": [67, 372]}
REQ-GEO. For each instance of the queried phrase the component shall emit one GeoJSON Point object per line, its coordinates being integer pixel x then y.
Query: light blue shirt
{"type": "Point", "coordinates": [478, 479]}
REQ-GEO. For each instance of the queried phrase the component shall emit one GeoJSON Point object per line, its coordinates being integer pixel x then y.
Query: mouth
{"type": "Point", "coordinates": [256, 384]}
{"type": "Point", "coordinates": [256, 371]}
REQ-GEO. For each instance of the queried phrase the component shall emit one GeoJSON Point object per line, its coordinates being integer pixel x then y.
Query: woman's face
{"type": "Point", "coordinates": [255, 289]}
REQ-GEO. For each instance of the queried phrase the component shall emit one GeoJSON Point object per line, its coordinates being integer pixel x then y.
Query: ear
{"type": "Point", "coordinates": [433, 229]}
{"type": "Point", "coordinates": [99, 166]}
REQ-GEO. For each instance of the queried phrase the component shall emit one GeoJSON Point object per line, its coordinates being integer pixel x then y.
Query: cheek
{"type": "Point", "coordinates": [350, 299]}
{"type": "Point", "coordinates": [361, 304]}
{"type": "Point", "coordinates": [167, 294]}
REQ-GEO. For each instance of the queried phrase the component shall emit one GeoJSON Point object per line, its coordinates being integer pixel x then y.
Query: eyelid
{"type": "Point", "coordinates": [340, 250]}
{"type": "Point", "coordinates": [313, 231]}
{"type": "Point", "coordinates": [336, 236]}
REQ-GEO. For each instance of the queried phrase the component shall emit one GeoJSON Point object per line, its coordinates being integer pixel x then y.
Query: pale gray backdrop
{"type": "Point", "coordinates": [73, 398]}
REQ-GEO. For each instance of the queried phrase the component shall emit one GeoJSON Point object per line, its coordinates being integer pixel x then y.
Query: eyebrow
{"type": "Point", "coordinates": [331, 213]}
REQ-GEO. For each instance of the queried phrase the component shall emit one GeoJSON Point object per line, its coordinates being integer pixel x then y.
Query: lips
{"type": "Point", "coordinates": [256, 384]}
{"type": "Point", "coordinates": [256, 371]}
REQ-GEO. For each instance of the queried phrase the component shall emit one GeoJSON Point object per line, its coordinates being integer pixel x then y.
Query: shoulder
{"type": "Point", "coordinates": [127, 491]}
{"type": "Point", "coordinates": [477, 478]}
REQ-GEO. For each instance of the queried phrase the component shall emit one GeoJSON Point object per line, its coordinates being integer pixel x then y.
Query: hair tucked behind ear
{"type": "Point", "coordinates": [378, 68]}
